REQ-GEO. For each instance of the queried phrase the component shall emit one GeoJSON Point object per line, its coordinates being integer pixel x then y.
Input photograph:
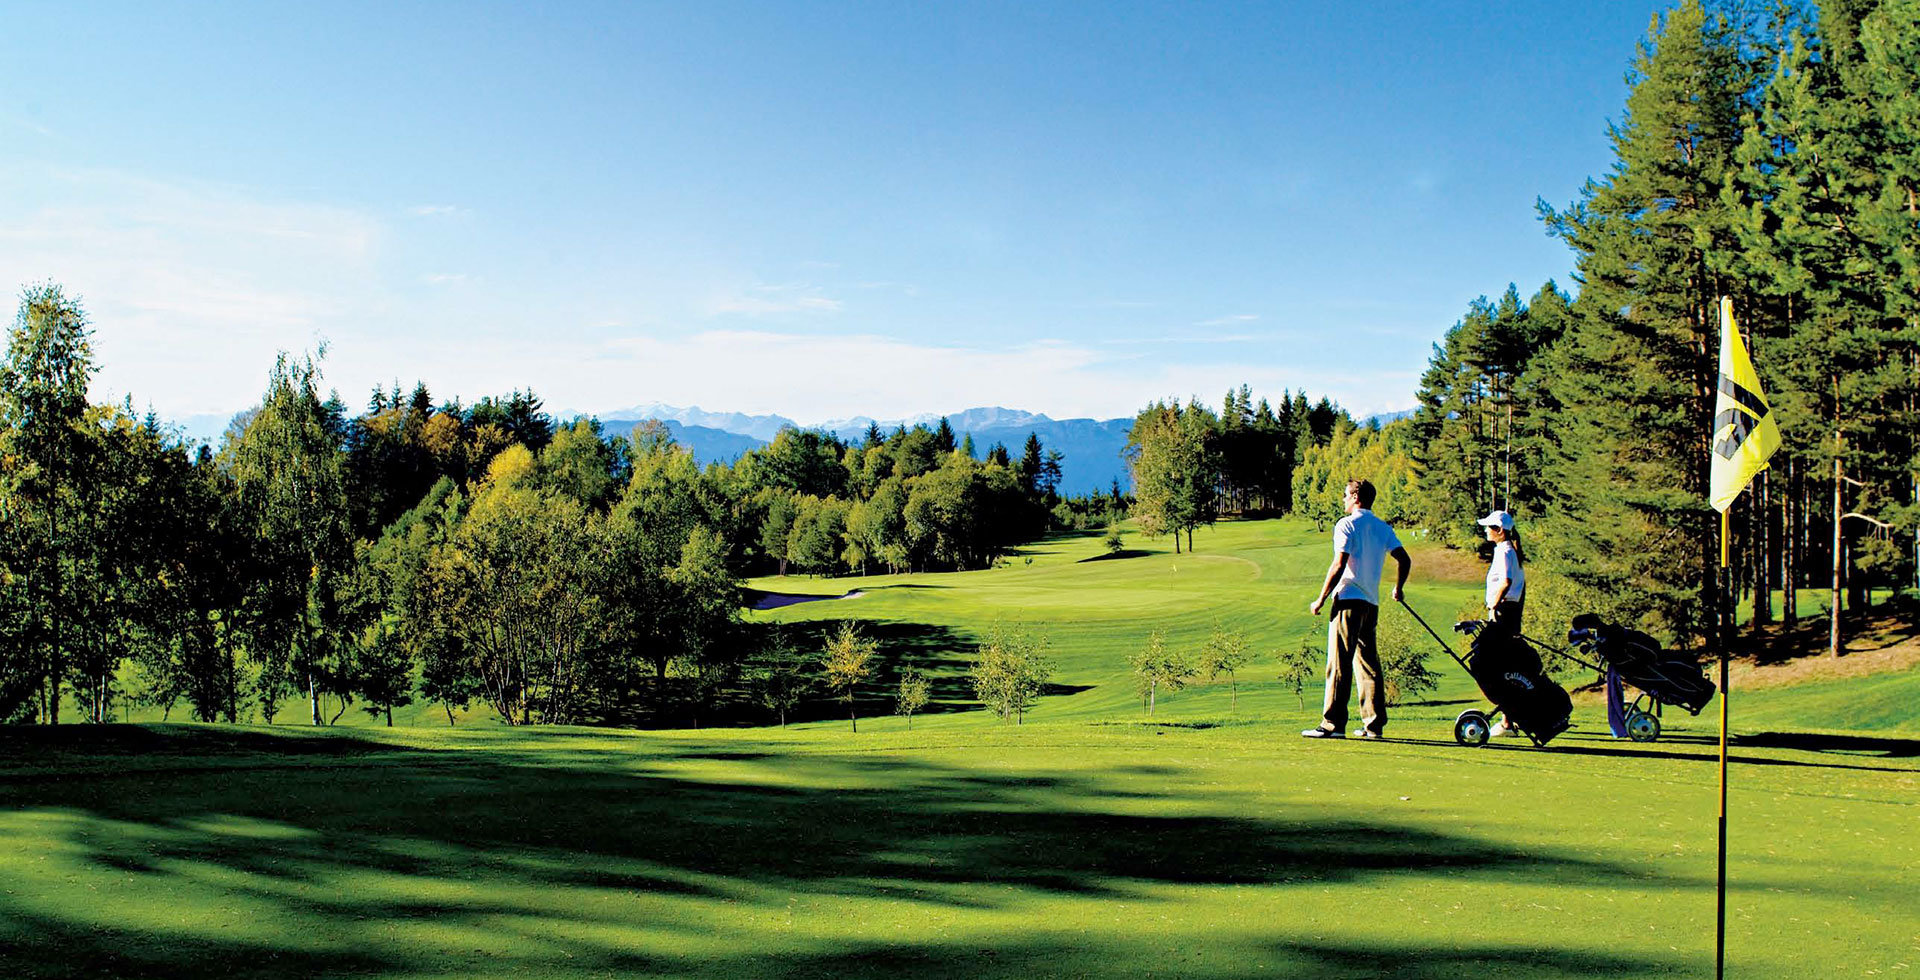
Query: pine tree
{"type": "Point", "coordinates": [43, 399]}
{"type": "Point", "coordinates": [1636, 373]}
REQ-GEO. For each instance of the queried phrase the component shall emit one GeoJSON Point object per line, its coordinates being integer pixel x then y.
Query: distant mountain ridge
{"type": "Point", "coordinates": [1091, 447]}
{"type": "Point", "coordinates": [761, 427]}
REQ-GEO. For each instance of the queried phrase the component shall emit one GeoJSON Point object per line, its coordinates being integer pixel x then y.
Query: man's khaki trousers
{"type": "Point", "coordinates": [1351, 650]}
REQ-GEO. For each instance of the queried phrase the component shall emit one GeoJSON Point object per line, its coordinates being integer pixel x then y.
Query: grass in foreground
{"type": "Point", "coordinates": [1048, 850]}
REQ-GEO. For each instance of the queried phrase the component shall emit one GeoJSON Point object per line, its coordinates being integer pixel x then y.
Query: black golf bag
{"type": "Point", "coordinates": [1509, 673]}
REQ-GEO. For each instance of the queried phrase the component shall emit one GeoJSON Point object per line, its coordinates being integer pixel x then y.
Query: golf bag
{"type": "Point", "coordinates": [1509, 673]}
{"type": "Point", "coordinates": [1668, 676]}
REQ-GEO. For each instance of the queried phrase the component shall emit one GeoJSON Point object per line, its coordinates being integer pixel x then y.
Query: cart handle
{"type": "Point", "coordinates": [1430, 632]}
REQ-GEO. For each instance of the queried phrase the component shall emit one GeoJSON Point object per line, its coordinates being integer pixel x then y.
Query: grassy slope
{"type": "Point", "coordinates": [1251, 576]}
{"type": "Point", "coordinates": [1055, 849]}
{"type": "Point", "coordinates": [1255, 577]}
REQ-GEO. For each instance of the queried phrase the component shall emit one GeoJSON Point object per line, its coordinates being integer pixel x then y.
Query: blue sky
{"type": "Point", "coordinates": [811, 209]}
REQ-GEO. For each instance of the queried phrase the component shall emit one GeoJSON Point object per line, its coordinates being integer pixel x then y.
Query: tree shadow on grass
{"type": "Point", "coordinates": [1123, 553]}
{"type": "Point", "coordinates": [568, 844]}
{"type": "Point", "coordinates": [1642, 750]}
{"type": "Point", "coordinates": [1201, 956]}
{"type": "Point", "coordinates": [138, 954]}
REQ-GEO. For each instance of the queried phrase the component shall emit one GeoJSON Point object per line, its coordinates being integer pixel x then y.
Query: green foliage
{"type": "Point", "coordinates": [1157, 667]}
{"type": "Point", "coordinates": [915, 691]}
{"type": "Point", "coordinates": [1174, 460]}
{"type": "Point", "coordinates": [516, 581]}
{"type": "Point", "coordinates": [1635, 375]}
{"type": "Point", "coordinates": [43, 459]}
{"type": "Point", "coordinates": [290, 477]}
{"type": "Point", "coordinates": [1225, 652]}
{"type": "Point", "coordinates": [1404, 651]}
{"type": "Point", "coordinates": [1010, 670]}
{"type": "Point", "coordinates": [845, 662]}
{"type": "Point", "coordinates": [1381, 456]}
{"type": "Point", "coordinates": [1113, 541]}
{"type": "Point", "coordinates": [1480, 435]}
{"type": "Point", "coordinates": [1300, 663]}
{"type": "Point", "coordinates": [779, 675]}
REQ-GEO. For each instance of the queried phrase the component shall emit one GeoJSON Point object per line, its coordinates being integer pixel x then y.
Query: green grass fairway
{"type": "Point", "coordinates": [1096, 610]}
{"type": "Point", "coordinates": [1207, 841]}
{"type": "Point", "coordinates": [1041, 851]}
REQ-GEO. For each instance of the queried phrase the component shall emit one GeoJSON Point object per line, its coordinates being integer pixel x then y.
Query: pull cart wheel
{"type": "Point", "coordinates": [1471, 728]}
{"type": "Point", "coordinates": [1643, 727]}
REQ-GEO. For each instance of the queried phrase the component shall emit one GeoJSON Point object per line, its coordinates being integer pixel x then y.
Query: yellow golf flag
{"type": "Point", "coordinates": [1744, 432]}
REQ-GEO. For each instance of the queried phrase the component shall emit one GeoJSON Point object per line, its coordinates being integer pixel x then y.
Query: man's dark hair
{"type": "Point", "coordinates": [1362, 491]}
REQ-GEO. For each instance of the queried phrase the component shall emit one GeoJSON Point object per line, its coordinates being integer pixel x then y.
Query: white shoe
{"type": "Point", "coordinates": [1500, 728]}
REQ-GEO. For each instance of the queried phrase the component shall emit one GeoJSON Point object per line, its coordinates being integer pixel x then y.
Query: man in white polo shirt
{"type": "Point", "coordinates": [1361, 544]}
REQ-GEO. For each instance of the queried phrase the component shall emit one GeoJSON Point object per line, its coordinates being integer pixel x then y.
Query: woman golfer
{"type": "Point", "coordinates": [1506, 585]}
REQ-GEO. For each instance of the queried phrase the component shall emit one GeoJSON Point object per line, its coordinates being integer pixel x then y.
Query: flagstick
{"type": "Point", "coordinates": [1720, 931]}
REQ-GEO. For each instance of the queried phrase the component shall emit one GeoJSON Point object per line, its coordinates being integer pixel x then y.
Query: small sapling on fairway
{"type": "Point", "coordinates": [1156, 667]}
{"type": "Point", "coordinates": [846, 661]}
{"type": "Point", "coordinates": [1297, 665]}
{"type": "Point", "coordinates": [915, 692]}
{"type": "Point", "coordinates": [1113, 541]}
{"type": "Point", "coordinates": [1010, 671]}
{"type": "Point", "coordinates": [778, 678]}
{"type": "Point", "coordinates": [1403, 662]}
{"type": "Point", "coordinates": [1225, 652]}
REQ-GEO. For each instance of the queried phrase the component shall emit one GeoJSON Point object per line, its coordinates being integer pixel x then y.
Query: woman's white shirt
{"type": "Point", "coordinates": [1505, 568]}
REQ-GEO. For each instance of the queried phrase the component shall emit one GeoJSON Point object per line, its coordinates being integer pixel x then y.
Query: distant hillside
{"type": "Point", "coordinates": [708, 445]}
{"type": "Point", "coordinates": [1384, 417]}
{"type": "Point", "coordinates": [1091, 446]}
{"type": "Point", "coordinates": [760, 427]}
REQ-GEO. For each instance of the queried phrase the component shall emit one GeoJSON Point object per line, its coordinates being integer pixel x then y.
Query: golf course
{"type": "Point", "coordinates": [1205, 840]}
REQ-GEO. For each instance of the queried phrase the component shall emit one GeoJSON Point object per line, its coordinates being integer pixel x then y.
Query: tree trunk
{"type": "Point", "coordinates": [1762, 584]}
{"type": "Point", "coordinates": [389, 716]}
{"type": "Point", "coordinates": [1790, 551]}
{"type": "Point", "coordinates": [449, 708]}
{"type": "Point", "coordinates": [1833, 614]}
{"type": "Point", "coordinates": [851, 717]}
{"type": "Point", "coordinates": [313, 697]}
{"type": "Point", "coordinates": [233, 687]}
{"type": "Point", "coordinates": [56, 665]}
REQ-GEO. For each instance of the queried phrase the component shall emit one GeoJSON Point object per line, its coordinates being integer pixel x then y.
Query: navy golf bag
{"type": "Point", "coordinates": [1667, 676]}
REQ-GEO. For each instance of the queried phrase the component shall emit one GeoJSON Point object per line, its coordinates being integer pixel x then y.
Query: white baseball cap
{"type": "Point", "coordinates": [1499, 518]}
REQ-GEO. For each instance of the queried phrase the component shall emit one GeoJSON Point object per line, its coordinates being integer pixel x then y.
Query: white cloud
{"type": "Point", "coordinates": [434, 210]}
{"type": "Point", "coordinates": [1227, 321]}
{"type": "Point", "coordinates": [192, 288]}
{"type": "Point", "coordinates": [765, 299]}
